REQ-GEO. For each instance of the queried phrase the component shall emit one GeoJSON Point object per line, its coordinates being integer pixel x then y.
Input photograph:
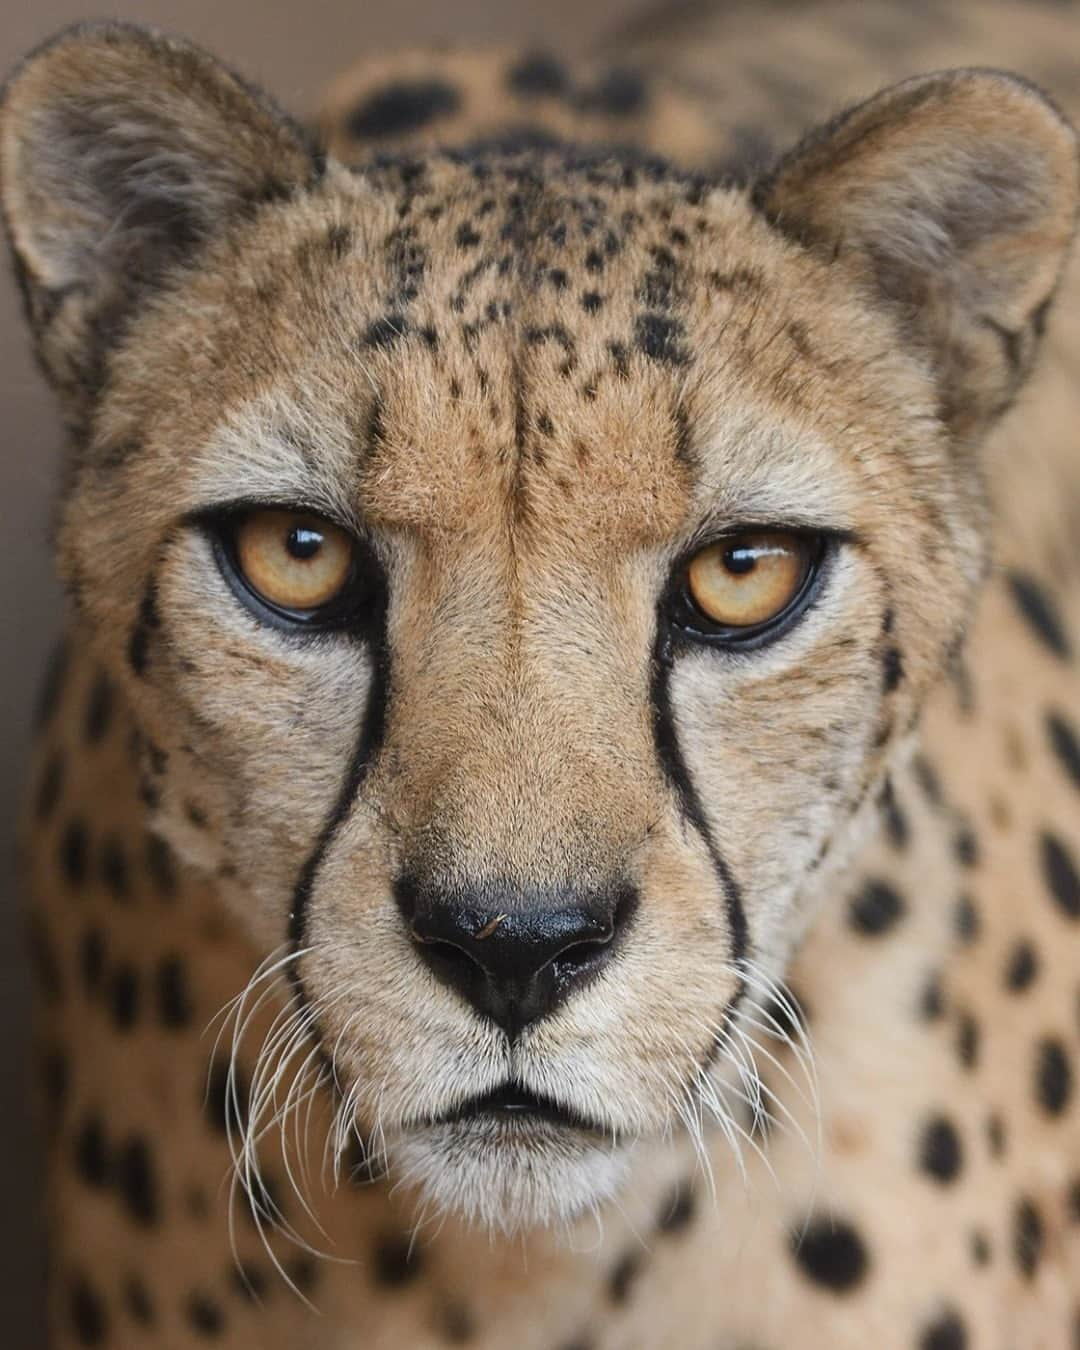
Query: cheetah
{"type": "Point", "coordinates": [556, 820]}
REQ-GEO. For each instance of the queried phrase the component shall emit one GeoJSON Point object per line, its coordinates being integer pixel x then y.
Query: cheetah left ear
{"type": "Point", "coordinates": [954, 197]}
{"type": "Point", "coordinates": [122, 152]}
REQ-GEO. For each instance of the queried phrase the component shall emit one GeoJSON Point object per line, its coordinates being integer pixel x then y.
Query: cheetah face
{"type": "Point", "coordinates": [522, 569]}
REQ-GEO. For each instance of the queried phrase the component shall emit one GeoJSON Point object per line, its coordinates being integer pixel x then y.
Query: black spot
{"type": "Point", "coordinates": [966, 846]}
{"type": "Point", "coordinates": [621, 92]}
{"type": "Point", "coordinates": [591, 301]}
{"type": "Point", "coordinates": [536, 75]}
{"type": "Point", "coordinates": [623, 1276]}
{"type": "Point", "coordinates": [160, 865]}
{"type": "Point", "coordinates": [138, 1300]}
{"type": "Point", "coordinates": [896, 823]}
{"type": "Point", "coordinates": [74, 849]}
{"type": "Point", "coordinates": [88, 1318]}
{"type": "Point", "coordinates": [204, 1316]}
{"type": "Point", "coordinates": [932, 1001]}
{"type": "Point", "coordinates": [400, 108]}
{"type": "Point", "coordinates": [967, 1040]}
{"type": "Point", "coordinates": [92, 1153]}
{"type": "Point", "coordinates": [947, 1332]}
{"type": "Point", "coordinates": [56, 1078]}
{"type": "Point", "coordinates": [1021, 967]}
{"type": "Point", "coordinates": [940, 1152]}
{"type": "Point", "coordinates": [892, 669]}
{"type": "Point", "coordinates": [466, 236]}
{"type": "Point", "coordinates": [786, 1018]}
{"type": "Point", "coordinates": [303, 1272]}
{"type": "Point", "coordinates": [995, 1136]}
{"type": "Point", "coordinates": [123, 995]}
{"type": "Point", "coordinates": [92, 959]}
{"type": "Point", "coordinates": [147, 622]}
{"type": "Point", "coordinates": [136, 1181]}
{"type": "Point", "coordinates": [43, 958]}
{"type": "Point", "coordinates": [1027, 1237]}
{"type": "Point", "coordinates": [966, 918]}
{"type": "Point", "coordinates": [396, 1262]}
{"type": "Point", "coordinates": [980, 1248]}
{"type": "Point", "coordinates": [875, 909]}
{"type": "Point", "coordinates": [927, 778]}
{"type": "Point", "coordinates": [386, 331]}
{"type": "Point", "coordinates": [50, 786]}
{"type": "Point", "coordinates": [222, 1109]}
{"type": "Point", "coordinates": [677, 1211]}
{"type": "Point", "coordinates": [1053, 1076]}
{"type": "Point", "coordinates": [196, 815]}
{"type": "Point", "coordinates": [1061, 875]}
{"type": "Point", "coordinates": [1041, 613]}
{"type": "Point", "coordinates": [660, 339]}
{"type": "Point", "coordinates": [114, 869]}
{"type": "Point", "coordinates": [99, 709]}
{"type": "Point", "coordinates": [455, 1323]}
{"type": "Point", "coordinates": [1065, 744]}
{"type": "Point", "coordinates": [173, 999]}
{"type": "Point", "coordinates": [249, 1281]}
{"type": "Point", "coordinates": [831, 1253]}
{"type": "Point", "coordinates": [52, 686]}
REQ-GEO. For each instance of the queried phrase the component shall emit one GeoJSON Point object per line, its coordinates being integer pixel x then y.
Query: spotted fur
{"type": "Point", "coordinates": [533, 330]}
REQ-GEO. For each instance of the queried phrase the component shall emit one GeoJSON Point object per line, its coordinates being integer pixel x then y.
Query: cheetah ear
{"type": "Point", "coordinates": [954, 197]}
{"type": "Point", "coordinates": [121, 151]}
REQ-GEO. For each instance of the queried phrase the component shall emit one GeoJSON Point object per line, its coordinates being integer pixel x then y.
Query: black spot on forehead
{"type": "Point", "coordinates": [403, 107]}
{"type": "Point", "coordinates": [385, 331]}
{"type": "Point", "coordinates": [660, 338]}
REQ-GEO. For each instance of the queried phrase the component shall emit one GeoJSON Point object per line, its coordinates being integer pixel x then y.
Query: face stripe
{"type": "Point", "coordinates": [369, 742]}
{"type": "Point", "coordinates": [677, 774]}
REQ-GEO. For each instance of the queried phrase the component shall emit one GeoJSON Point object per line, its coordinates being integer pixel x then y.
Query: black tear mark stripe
{"type": "Point", "coordinates": [368, 745]}
{"type": "Point", "coordinates": [674, 766]}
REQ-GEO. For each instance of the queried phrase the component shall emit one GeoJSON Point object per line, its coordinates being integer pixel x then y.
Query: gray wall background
{"type": "Point", "coordinates": [293, 47]}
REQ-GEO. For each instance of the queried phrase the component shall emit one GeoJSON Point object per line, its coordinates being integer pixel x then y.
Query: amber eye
{"type": "Point", "coordinates": [293, 561]}
{"type": "Point", "coordinates": [747, 580]}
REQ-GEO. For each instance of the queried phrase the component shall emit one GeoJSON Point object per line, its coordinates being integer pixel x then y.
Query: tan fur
{"type": "Point", "coordinates": [534, 388]}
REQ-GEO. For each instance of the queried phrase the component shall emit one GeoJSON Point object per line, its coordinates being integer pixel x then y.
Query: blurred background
{"type": "Point", "coordinates": [292, 47]}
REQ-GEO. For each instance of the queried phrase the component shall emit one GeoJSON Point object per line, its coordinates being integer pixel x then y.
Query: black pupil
{"type": "Point", "coordinates": [303, 542]}
{"type": "Point", "coordinates": [740, 559]}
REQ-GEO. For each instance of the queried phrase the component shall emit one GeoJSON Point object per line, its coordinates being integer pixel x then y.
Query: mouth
{"type": "Point", "coordinates": [512, 1105]}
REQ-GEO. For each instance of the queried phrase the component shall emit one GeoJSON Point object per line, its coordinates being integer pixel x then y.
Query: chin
{"type": "Point", "coordinates": [510, 1164]}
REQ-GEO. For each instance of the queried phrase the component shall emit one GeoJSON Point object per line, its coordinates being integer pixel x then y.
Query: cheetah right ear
{"type": "Point", "coordinates": [953, 198]}
{"type": "Point", "coordinates": [121, 151]}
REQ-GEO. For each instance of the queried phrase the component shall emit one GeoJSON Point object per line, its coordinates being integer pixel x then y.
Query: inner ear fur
{"type": "Point", "coordinates": [121, 151]}
{"type": "Point", "coordinates": [954, 197]}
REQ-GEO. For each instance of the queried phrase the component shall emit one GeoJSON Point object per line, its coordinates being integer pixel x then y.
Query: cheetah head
{"type": "Point", "coordinates": [522, 567]}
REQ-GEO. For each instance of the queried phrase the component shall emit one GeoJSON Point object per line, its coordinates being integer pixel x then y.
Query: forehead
{"type": "Point", "coordinates": [449, 347]}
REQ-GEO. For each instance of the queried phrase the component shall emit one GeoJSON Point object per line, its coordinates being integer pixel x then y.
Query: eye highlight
{"type": "Point", "coordinates": [299, 565]}
{"type": "Point", "coordinates": [745, 583]}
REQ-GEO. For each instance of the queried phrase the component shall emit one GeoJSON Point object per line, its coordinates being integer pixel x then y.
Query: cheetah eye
{"type": "Point", "coordinates": [297, 567]}
{"type": "Point", "coordinates": [744, 585]}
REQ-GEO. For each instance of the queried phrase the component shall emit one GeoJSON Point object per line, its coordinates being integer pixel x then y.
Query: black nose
{"type": "Point", "coordinates": [514, 954]}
